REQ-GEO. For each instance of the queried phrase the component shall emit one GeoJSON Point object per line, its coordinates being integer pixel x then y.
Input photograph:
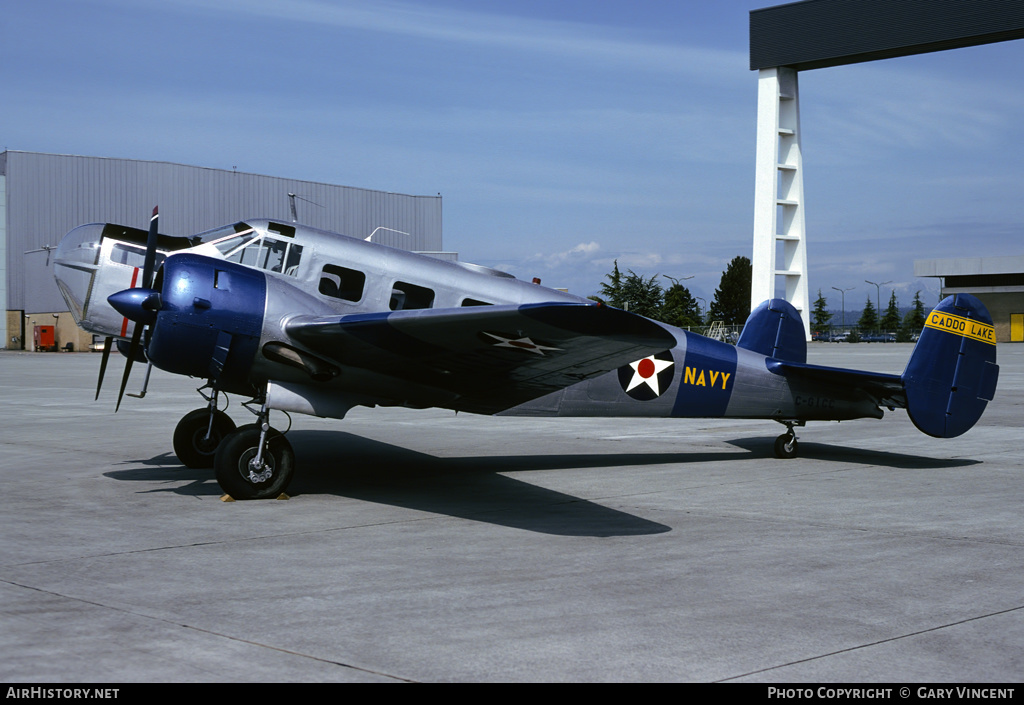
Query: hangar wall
{"type": "Point", "coordinates": [43, 196]}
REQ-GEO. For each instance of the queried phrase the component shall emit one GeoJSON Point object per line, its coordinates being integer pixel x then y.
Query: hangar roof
{"type": "Point", "coordinates": [822, 33]}
{"type": "Point", "coordinates": [968, 266]}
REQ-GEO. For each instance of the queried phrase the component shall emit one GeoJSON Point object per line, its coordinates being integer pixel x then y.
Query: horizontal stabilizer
{"type": "Point", "coordinates": [487, 358]}
{"type": "Point", "coordinates": [882, 389]}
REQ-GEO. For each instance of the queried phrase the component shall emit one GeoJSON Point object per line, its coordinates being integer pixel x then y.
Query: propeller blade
{"type": "Point", "coordinates": [133, 350]}
{"type": "Point", "coordinates": [107, 343]}
{"type": "Point", "coordinates": [150, 261]}
{"type": "Point", "coordinates": [142, 303]}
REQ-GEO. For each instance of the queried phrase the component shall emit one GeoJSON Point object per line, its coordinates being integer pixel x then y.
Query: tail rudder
{"type": "Point", "coordinates": [952, 372]}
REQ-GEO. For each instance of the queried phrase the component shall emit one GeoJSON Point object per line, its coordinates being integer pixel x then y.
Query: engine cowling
{"type": "Point", "coordinates": [209, 320]}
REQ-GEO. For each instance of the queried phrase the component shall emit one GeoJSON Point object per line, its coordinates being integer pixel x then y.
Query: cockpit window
{"type": "Point", "coordinates": [221, 232]}
{"type": "Point", "coordinates": [132, 256]}
{"type": "Point", "coordinates": [228, 246]}
{"type": "Point", "coordinates": [265, 253]}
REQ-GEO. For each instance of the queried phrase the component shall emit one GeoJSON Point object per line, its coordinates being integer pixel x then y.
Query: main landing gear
{"type": "Point", "coordinates": [786, 444]}
{"type": "Point", "coordinates": [200, 432]}
{"type": "Point", "coordinates": [255, 461]}
{"type": "Point", "coordinates": [251, 462]}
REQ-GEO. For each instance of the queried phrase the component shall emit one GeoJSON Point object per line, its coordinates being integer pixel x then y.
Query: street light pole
{"type": "Point", "coordinates": [843, 292]}
{"type": "Point", "coordinates": [878, 301]}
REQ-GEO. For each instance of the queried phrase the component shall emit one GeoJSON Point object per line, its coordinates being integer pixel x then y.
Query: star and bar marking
{"type": "Point", "coordinates": [521, 343]}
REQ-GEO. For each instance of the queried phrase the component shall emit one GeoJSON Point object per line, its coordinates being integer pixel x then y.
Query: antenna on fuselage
{"type": "Point", "coordinates": [291, 203]}
{"type": "Point", "coordinates": [381, 227]}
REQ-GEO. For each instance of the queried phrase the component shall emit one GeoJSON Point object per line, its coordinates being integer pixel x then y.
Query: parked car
{"type": "Point", "coordinates": [880, 338]}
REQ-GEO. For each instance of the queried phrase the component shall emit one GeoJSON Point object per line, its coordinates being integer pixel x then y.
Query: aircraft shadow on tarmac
{"type": "Point", "coordinates": [845, 454]}
{"type": "Point", "coordinates": [477, 488]}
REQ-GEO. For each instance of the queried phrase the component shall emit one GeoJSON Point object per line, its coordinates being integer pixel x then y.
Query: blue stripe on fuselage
{"type": "Point", "coordinates": [706, 379]}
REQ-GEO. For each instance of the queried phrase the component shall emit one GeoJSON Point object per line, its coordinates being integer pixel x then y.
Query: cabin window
{"type": "Point", "coordinates": [475, 302]}
{"type": "Point", "coordinates": [342, 283]}
{"type": "Point", "coordinates": [405, 296]}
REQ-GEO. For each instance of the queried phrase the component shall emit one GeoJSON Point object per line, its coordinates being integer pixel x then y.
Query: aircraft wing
{"type": "Point", "coordinates": [885, 389]}
{"type": "Point", "coordinates": [485, 359]}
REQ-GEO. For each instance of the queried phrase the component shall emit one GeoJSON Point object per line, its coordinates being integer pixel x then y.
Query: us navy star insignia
{"type": "Point", "coordinates": [648, 378]}
{"type": "Point", "coordinates": [523, 343]}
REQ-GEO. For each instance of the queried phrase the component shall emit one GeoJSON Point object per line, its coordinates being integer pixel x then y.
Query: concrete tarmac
{"type": "Point", "coordinates": [430, 546]}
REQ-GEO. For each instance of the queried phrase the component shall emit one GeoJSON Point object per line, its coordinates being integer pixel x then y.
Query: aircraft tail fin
{"type": "Point", "coordinates": [775, 329]}
{"type": "Point", "coordinates": [952, 372]}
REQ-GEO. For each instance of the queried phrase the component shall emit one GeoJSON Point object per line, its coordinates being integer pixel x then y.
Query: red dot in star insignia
{"type": "Point", "coordinates": [646, 368]}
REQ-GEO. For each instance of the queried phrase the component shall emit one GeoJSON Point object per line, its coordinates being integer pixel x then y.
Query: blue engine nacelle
{"type": "Point", "coordinates": [209, 321]}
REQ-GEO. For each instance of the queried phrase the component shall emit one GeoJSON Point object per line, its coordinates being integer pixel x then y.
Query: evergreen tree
{"type": "Point", "coordinates": [642, 296]}
{"type": "Point", "coordinates": [681, 308]}
{"type": "Point", "coordinates": [611, 291]}
{"type": "Point", "coordinates": [822, 317]}
{"type": "Point", "coordinates": [916, 315]}
{"type": "Point", "coordinates": [869, 318]}
{"type": "Point", "coordinates": [891, 320]}
{"type": "Point", "coordinates": [731, 304]}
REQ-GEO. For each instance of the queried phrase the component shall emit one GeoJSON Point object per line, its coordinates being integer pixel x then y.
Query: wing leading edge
{"type": "Point", "coordinates": [485, 359]}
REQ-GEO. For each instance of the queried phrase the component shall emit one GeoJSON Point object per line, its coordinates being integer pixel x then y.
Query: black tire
{"type": "Point", "coordinates": [785, 446]}
{"type": "Point", "coordinates": [190, 442]}
{"type": "Point", "coordinates": [240, 447]}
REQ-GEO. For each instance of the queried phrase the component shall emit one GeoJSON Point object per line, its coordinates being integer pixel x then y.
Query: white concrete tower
{"type": "Point", "coordinates": [780, 247]}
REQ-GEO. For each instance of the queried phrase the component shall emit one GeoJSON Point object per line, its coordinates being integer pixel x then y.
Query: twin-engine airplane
{"type": "Point", "coordinates": [303, 320]}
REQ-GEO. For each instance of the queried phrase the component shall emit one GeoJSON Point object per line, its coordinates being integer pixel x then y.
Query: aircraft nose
{"type": "Point", "coordinates": [75, 266]}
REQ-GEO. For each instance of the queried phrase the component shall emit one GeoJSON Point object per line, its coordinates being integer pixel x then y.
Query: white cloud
{"type": "Point", "coordinates": [580, 254]}
{"type": "Point", "coordinates": [570, 40]}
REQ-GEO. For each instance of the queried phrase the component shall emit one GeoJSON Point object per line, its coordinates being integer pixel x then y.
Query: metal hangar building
{"type": "Point", "coordinates": [997, 281]}
{"type": "Point", "coordinates": [43, 196]}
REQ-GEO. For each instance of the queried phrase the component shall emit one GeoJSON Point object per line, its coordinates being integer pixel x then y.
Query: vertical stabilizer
{"type": "Point", "coordinates": [952, 373]}
{"type": "Point", "coordinates": [775, 329]}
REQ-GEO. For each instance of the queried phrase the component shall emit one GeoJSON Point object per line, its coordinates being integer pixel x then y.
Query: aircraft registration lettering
{"type": "Point", "coordinates": [958, 325]}
{"type": "Point", "coordinates": [815, 402]}
{"type": "Point", "coordinates": [696, 377]}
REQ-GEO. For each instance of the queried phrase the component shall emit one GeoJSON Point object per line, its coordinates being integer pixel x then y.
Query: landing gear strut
{"type": "Point", "coordinates": [255, 461]}
{"type": "Point", "coordinates": [200, 432]}
{"type": "Point", "coordinates": [786, 445]}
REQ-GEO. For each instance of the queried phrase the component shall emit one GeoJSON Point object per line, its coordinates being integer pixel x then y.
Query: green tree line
{"type": "Point", "coordinates": [870, 322]}
{"type": "Point", "coordinates": [675, 305]}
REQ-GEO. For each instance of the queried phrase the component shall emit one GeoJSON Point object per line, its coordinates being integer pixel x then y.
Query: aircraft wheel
{"type": "Point", "coordinates": [240, 479]}
{"type": "Point", "coordinates": [190, 443]}
{"type": "Point", "coordinates": [785, 446]}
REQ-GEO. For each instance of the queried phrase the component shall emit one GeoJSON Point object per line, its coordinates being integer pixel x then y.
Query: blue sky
{"type": "Point", "coordinates": [563, 135]}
